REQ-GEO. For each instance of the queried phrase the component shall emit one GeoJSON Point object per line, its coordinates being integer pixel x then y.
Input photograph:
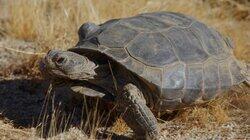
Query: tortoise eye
{"type": "Point", "coordinates": [60, 60]}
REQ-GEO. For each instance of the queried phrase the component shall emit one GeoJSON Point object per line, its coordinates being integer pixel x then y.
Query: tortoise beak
{"type": "Point", "coordinates": [45, 63]}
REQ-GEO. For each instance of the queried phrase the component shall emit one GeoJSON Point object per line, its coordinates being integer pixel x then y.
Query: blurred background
{"type": "Point", "coordinates": [54, 23]}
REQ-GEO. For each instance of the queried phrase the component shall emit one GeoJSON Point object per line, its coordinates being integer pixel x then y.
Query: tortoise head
{"type": "Point", "coordinates": [67, 65]}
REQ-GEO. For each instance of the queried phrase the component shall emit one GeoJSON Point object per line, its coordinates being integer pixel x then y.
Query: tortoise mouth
{"type": "Point", "coordinates": [53, 75]}
{"type": "Point", "coordinates": [59, 82]}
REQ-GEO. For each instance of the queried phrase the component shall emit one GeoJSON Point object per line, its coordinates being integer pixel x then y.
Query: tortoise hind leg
{"type": "Point", "coordinates": [136, 113]}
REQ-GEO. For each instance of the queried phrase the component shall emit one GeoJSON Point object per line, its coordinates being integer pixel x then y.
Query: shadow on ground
{"type": "Point", "coordinates": [21, 100]}
{"type": "Point", "coordinates": [23, 103]}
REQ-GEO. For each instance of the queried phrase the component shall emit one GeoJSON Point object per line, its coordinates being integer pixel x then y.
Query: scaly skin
{"type": "Point", "coordinates": [136, 113]}
{"type": "Point", "coordinates": [130, 100]}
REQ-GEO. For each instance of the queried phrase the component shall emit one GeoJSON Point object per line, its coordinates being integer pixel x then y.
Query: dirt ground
{"type": "Point", "coordinates": [27, 113]}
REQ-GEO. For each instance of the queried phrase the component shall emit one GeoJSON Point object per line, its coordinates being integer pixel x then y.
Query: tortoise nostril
{"type": "Point", "coordinates": [48, 51]}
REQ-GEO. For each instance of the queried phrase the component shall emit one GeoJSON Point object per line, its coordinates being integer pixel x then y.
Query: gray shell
{"type": "Point", "coordinates": [183, 57]}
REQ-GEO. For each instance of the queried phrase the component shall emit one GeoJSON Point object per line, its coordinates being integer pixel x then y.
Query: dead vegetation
{"type": "Point", "coordinates": [54, 24]}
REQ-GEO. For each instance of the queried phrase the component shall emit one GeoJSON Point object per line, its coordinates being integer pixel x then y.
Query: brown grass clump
{"type": "Point", "coordinates": [241, 99]}
{"type": "Point", "coordinates": [119, 126]}
{"type": "Point", "coordinates": [54, 122]}
{"type": "Point", "coordinates": [28, 67]}
{"type": "Point", "coordinates": [218, 111]}
{"type": "Point", "coordinates": [7, 131]}
{"type": "Point", "coordinates": [213, 112]}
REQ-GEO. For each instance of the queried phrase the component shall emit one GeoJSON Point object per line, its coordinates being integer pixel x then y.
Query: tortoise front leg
{"type": "Point", "coordinates": [136, 113]}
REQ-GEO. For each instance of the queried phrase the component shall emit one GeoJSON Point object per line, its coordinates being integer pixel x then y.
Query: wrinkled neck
{"type": "Point", "coordinates": [103, 78]}
{"type": "Point", "coordinates": [102, 74]}
{"type": "Point", "coordinates": [102, 71]}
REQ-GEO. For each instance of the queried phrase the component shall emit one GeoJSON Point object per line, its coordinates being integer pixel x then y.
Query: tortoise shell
{"type": "Point", "coordinates": [183, 57]}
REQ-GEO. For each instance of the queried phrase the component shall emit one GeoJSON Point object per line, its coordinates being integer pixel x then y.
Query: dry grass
{"type": "Point", "coordinates": [201, 116]}
{"type": "Point", "coordinates": [54, 24]}
{"type": "Point", "coordinates": [218, 110]}
{"type": "Point", "coordinates": [119, 127]}
{"type": "Point", "coordinates": [55, 123]}
{"type": "Point", "coordinates": [218, 116]}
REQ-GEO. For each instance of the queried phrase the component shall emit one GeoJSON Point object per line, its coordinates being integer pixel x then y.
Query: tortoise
{"type": "Point", "coordinates": [148, 64]}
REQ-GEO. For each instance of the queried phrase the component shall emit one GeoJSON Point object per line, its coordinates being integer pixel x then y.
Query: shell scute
{"type": "Point", "coordinates": [186, 45]}
{"type": "Point", "coordinates": [170, 18]}
{"type": "Point", "coordinates": [152, 49]}
{"type": "Point", "coordinates": [145, 23]}
{"type": "Point", "coordinates": [213, 42]}
{"type": "Point", "coordinates": [173, 81]}
{"type": "Point", "coordinates": [117, 36]}
{"type": "Point", "coordinates": [194, 83]}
